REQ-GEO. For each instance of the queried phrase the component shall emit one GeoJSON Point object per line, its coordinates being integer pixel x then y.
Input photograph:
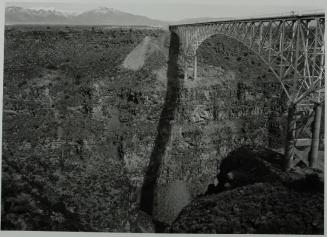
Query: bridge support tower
{"type": "Point", "coordinates": [195, 72]}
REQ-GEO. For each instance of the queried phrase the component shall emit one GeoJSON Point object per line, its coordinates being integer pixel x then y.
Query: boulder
{"type": "Point", "coordinates": [170, 200]}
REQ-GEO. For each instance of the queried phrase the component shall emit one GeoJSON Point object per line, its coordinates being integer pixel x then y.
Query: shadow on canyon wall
{"type": "Point", "coordinates": [164, 128]}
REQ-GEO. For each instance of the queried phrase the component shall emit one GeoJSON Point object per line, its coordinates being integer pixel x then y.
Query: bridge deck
{"type": "Point", "coordinates": [289, 18]}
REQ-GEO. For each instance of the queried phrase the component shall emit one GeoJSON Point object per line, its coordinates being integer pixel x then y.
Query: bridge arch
{"type": "Point", "coordinates": [244, 44]}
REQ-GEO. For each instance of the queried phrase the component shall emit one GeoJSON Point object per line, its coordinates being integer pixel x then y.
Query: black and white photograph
{"type": "Point", "coordinates": [163, 116]}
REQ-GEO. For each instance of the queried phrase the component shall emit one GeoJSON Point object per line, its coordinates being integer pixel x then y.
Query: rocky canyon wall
{"type": "Point", "coordinates": [86, 136]}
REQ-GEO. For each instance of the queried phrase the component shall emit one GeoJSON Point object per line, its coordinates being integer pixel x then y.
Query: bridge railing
{"type": "Point", "coordinates": [289, 14]}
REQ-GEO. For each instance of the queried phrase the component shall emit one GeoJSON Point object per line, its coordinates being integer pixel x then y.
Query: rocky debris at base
{"type": "Point", "coordinates": [261, 208]}
{"type": "Point", "coordinates": [254, 195]}
{"type": "Point", "coordinates": [144, 223]}
{"type": "Point", "coordinates": [170, 200]}
{"type": "Point", "coordinates": [249, 165]}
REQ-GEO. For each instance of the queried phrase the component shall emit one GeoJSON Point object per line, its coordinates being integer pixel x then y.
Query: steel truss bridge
{"type": "Point", "coordinates": [291, 46]}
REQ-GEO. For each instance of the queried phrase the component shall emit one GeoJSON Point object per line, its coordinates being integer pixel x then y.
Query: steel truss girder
{"type": "Point", "coordinates": [292, 47]}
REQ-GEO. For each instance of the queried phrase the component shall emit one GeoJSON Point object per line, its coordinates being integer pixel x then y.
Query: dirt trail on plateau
{"type": "Point", "coordinates": [137, 57]}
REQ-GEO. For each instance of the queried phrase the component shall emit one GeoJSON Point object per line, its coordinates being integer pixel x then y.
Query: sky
{"type": "Point", "coordinates": [180, 9]}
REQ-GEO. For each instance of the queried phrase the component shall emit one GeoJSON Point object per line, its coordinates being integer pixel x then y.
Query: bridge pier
{"type": "Point", "coordinates": [313, 155]}
{"type": "Point", "coordinates": [195, 72]}
{"type": "Point", "coordinates": [185, 71]}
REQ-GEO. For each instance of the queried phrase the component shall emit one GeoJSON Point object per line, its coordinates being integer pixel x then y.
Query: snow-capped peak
{"type": "Point", "coordinates": [103, 10]}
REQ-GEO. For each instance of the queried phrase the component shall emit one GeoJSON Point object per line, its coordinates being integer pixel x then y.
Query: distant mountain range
{"type": "Point", "coordinates": [99, 16]}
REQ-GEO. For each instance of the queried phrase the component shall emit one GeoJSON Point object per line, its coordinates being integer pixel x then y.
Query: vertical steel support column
{"type": "Point", "coordinates": [315, 47]}
{"type": "Point", "coordinates": [260, 36]}
{"type": "Point", "coordinates": [281, 50]}
{"type": "Point", "coordinates": [291, 119]}
{"type": "Point", "coordinates": [270, 41]}
{"type": "Point", "coordinates": [306, 69]}
{"type": "Point", "coordinates": [313, 156]}
{"type": "Point", "coordinates": [195, 67]}
{"type": "Point", "coordinates": [296, 60]}
{"type": "Point", "coordinates": [314, 151]}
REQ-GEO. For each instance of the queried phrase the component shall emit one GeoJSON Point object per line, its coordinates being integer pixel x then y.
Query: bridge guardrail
{"type": "Point", "coordinates": [269, 15]}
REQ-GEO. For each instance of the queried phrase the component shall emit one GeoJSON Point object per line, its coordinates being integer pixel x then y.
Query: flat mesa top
{"type": "Point", "coordinates": [251, 19]}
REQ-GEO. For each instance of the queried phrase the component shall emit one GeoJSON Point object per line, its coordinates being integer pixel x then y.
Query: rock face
{"type": "Point", "coordinates": [231, 104]}
{"type": "Point", "coordinates": [82, 127]}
